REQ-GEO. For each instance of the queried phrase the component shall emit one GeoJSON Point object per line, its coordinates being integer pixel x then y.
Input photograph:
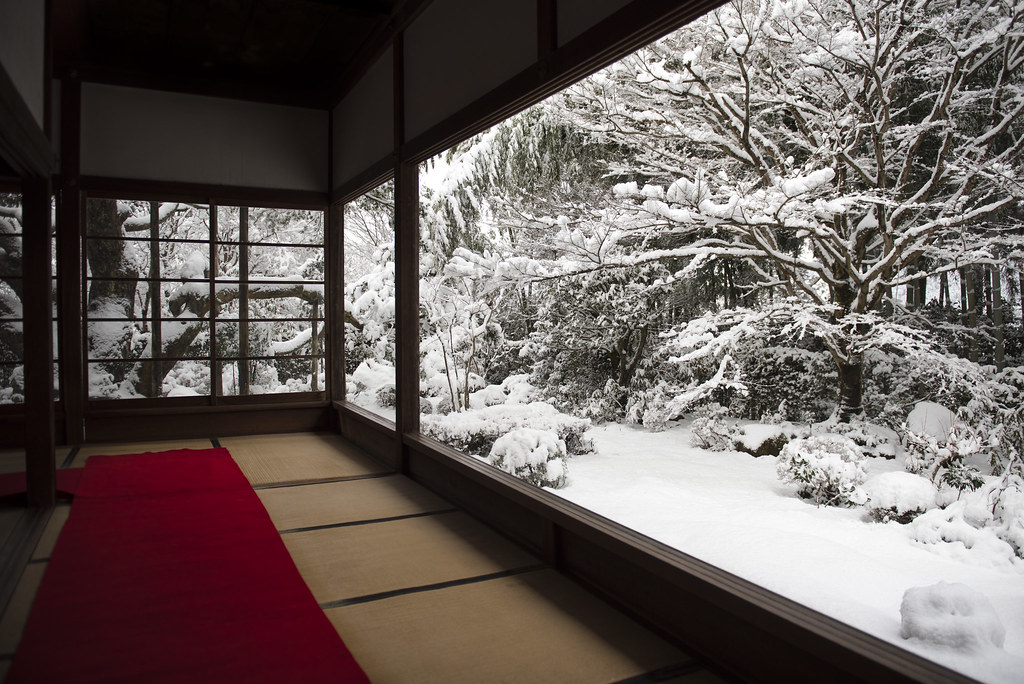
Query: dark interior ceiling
{"type": "Point", "coordinates": [303, 52]}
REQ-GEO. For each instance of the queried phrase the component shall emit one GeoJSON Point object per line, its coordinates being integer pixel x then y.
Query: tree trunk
{"type": "Point", "coordinates": [963, 297]}
{"type": "Point", "coordinates": [972, 312]}
{"type": "Point", "coordinates": [851, 387]}
{"type": "Point", "coordinates": [997, 316]}
{"type": "Point", "coordinates": [944, 300]}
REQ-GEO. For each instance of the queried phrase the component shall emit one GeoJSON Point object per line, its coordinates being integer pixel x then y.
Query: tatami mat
{"type": "Point", "coordinates": [13, 460]}
{"type": "Point", "coordinates": [353, 500]}
{"type": "Point", "coordinates": [44, 549]}
{"type": "Point", "coordinates": [16, 615]}
{"type": "Point", "coordinates": [306, 457]}
{"type": "Point", "coordinates": [349, 562]}
{"type": "Point", "coordinates": [9, 517]}
{"type": "Point", "coordinates": [85, 452]}
{"type": "Point", "coordinates": [533, 627]}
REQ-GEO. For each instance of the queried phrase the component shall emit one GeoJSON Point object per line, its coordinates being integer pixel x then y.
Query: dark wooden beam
{"type": "Point", "coordinates": [122, 424]}
{"type": "Point", "coordinates": [334, 237]}
{"type": "Point", "coordinates": [172, 191]}
{"type": "Point", "coordinates": [40, 437]}
{"type": "Point", "coordinates": [375, 175]}
{"type": "Point", "coordinates": [70, 212]}
{"type": "Point", "coordinates": [243, 299]}
{"type": "Point", "coordinates": [407, 259]}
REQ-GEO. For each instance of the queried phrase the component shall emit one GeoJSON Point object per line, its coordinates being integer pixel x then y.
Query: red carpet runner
{"type": "Point", "coordinates": [170, 570]}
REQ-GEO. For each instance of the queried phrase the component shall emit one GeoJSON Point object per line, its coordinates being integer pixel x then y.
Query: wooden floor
{"type": "Point", "coordinates": [419, 591]}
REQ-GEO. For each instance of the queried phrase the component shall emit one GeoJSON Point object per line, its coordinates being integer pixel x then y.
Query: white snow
{"type": "Point", "coordinates": [730, 510]}
{"type": "Point", "coordinates": [900, 491]}
{"type": "Point", "coordinates": [951, 616]}
{"type": "Point", "coordinates": [931, 419]}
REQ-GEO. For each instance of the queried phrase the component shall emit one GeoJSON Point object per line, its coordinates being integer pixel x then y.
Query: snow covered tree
{"type": "Point", "coordinates": [838, 149]}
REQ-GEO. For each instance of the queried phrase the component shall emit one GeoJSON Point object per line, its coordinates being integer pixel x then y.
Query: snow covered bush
{"type": "Point", "coordinates": [989, 522]}
{"type": "Point", "coordinates": [951, 616]}
{"type": "Point", "coordinates": [712, 429]}
{"type": "Point", "coordinates": [758, 439]}
{"type": "Point", "coordinates": [536, 456]}
{"type": "Point", "coordinates": [1008, 514]}
{"type": "Point", "coordinates": [943, 460]}
{"type": "Point", "coordinates": [899, 496]}
{"type": "Point", "coordinates": [874, 440]}
{"type": "Point", "coordinates": [826, 468]}
{"type": "Point", "coordinates": [475, 431]}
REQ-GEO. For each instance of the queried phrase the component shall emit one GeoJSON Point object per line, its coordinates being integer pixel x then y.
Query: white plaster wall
{"type": "Point", "coordinates": [155, 135]}
{"type": "Point", "coordinates": [364, 122]}
{"type": "Point", "coordinates": [458, 50]}
{"type": "Point", "coordinates": [22, 47]}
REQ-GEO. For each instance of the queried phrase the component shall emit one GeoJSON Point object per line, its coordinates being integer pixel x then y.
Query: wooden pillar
{"type": "Point", "coordinates": [334, 291]}
{"type": "Point", "coordinates": [243, 301]}
{"type": "Point", "coordinates": [156, 332]}
{"type": "Point", "coordinates": [407, 245]}
{"type": "Point", "coordinates": [215, 388]}
{"type": "Point", "coordinates": [69, 262]}
{"type": "Point", "coordinates": [38, 334]}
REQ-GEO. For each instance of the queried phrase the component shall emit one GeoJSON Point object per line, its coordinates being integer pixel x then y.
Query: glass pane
{"type": "Point", "coordinates": [186, 378]}
{"type": "Point", "coordinates": [12, 383]}
{"type": "Point", "coordinates": [150, 378]}
{"type": "Point", "coordinates": [286, 226]}
{"type": "Point", "coordinates": [184, 260]}
{"type": "Point", "coordinates": [11, 289]}
{"type": "Point", "coordinates": [227, 224]}
{"type": "Point", "coordinates": [280, 375]}
{"type": "Point", "coordinates": [286, 263]}
{"type": "Point", "coordinates": [184, 222]}
{"type": "Point", "coordinates": [369, 234]}
{"type": "Point", "coordinates": [285, 301]}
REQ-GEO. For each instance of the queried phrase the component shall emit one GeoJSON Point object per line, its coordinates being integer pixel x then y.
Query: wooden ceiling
{"type": "Point", "coordinates": [302, 52]}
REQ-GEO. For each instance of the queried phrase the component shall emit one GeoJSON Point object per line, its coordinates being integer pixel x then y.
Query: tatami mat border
{"type": "Point", "coordinates": [372, 521]}
{"type": "Point", "coordinates": [325, 480]}
{"type": "Point", "coordinates": [70, 458]}
{"type": "Point", "coordinates": [664, 674]}
{"type": "Point", "coordinates": [432, 587]}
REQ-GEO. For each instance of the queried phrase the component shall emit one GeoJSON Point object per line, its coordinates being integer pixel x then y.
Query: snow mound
{"type": "Point", "coordinates": [931, 419]}
{"type": "Point", "coordinates": [537, 456]}
{"type": "Point", "coordinates": [951, 616]}
{"type": "Point", "coordinates": [900, 493]}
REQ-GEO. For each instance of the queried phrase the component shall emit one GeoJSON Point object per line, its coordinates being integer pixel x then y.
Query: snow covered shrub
{"type": "Point", "coordinates": [1008, 513]}
{"type": "Point", "coordinates": [988, 521]}
{"type": "Point", "coordinates": [536, 456]}
{"type": "Point", "coordinates": [898, 496]}
{"type": "Point", "coordinates": [386, 395]}
{"type": "Point", "coordinates": [759, 440]}
{"type": "Point", "coordinates": [712, 430]}
{"type": "Point", "coordinates": [826, 468]}
{"type": "Point", "coordinates": [874, 440]}
{"type": "Point", "coordinates": [475, 431]}
{"type": "Point", "coordinates": [952, 616]}
{"type": "Point", "coordinates": [943, 461]}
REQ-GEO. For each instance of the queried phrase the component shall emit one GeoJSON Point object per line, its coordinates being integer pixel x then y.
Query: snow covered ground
{"type": "Point", "coordinates": [729, 509]}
